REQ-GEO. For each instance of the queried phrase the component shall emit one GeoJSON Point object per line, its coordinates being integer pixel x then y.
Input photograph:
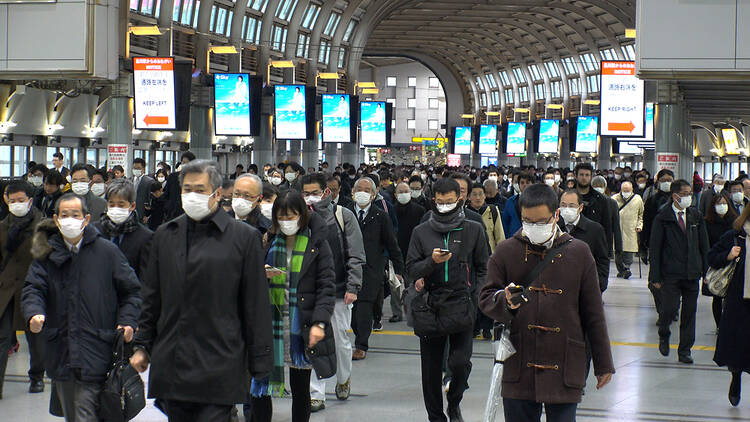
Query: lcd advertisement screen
{"type": "Point", "coordinates": [587, 134]}
{"type": "Point", "coordinates": [232, 103]}
{"type": "Point", "coordinates": [516, 138]}
{"type": "Point", "coordinates": [488, 139]}
{"type": "Point", "coordinates": [372, 118]}
{"type": "Point", "coordinates": [549, 136]}
{"type": "Point", "coordinates": [291, 117]}
{"type": "Point", "coordinates": [649, 126]}
{"type": "Point", "coordinates": [487, 160]}
{"type": "Point", "coordinates": [627, 148]}
{"type": "Point", "coordinates": [153, 88]}
{"type": "Point", "coordinates": [336, 118]}
{"type": "Point", "coordinates": [462, 140]}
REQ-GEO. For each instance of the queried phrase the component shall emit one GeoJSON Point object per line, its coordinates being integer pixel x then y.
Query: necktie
{"type": "Point", "coordinates": [569, 228]}
{"type": "Point", "coordinates": [74, 250]}
{"type": "Point", "coordinates": [681, 220]}
{"type": "Point", "coordinates": [361, 216]}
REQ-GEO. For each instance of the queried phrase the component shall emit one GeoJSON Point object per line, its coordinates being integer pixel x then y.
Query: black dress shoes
{"type": "Point", "coordinates": [36, 386]}
{"type": "Point", "coordinates": [664, 346]}
{"type": "Point", "coordinates": [734, 389]}
{"type": "Point", "coordinates": [687, 359]}
{"type": "Point", "coordinates": [454, 414]}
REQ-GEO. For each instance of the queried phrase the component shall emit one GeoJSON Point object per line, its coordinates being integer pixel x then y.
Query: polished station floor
{"type": "Point", "coordinates": [386, 386]}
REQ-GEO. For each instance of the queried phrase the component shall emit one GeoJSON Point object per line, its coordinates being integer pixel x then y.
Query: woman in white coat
{"type": "Point", "coordinates": [631, 224]}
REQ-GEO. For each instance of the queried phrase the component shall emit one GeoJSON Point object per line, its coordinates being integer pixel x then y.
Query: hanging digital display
{"type": "Point", "coordinates": [153, 89]}
{"type": "Point", "coordinates": [232, 104]}
{"type": "Point", "coordinates": [488, 139]}
{"type": "Point", "coordinates": [462, 140]}
{"type": "Point", "coordinates": [373, 123]}
{"type": "Point", "coordinates": [516, 138]}
{"type": "Point", "coordinates": [587, 134]}
{"type": "Point", "coordinates": [336, 118]}
{"type": "Point", "coordinates": [549, 136]}
{"type": "Point", "coordinates": [291, 113]}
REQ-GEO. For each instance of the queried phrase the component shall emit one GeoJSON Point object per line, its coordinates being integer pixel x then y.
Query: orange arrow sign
{"type": "Point", "coordinates": [621, 127]}
{"type": "Point", "coordinates": [156, 120]}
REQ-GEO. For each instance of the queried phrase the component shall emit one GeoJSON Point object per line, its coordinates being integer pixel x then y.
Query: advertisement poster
{"type": "Point", "coordinates": [516, 138]}
{"type": "Point", "coordinates": [488, 139]}
{"type": "Point", "coordinates": [372, 118]}
{"type": "Point", "coordinates": [291, 118]}
{"type": "Point", "coordinates": [669, 161]}
{"type": "Point", "coordinates": [336, 118]}
{"type": "Point", "coordinates": [232, 102]}
{"type": "Point", "coordinates": [153, 88]}
{"type": "Point", "coordinates": [622, 101]}
{"type": "Point", "coordinates": [117, 155]}
{"type": "Point", "coordinates": [549, 136]}
{"type": "Point", "coordinates": [462, 143]}
{"type": "Point", "coordinates": [453, 160]}
{"type": "Point", "coordinates": [587, 134]}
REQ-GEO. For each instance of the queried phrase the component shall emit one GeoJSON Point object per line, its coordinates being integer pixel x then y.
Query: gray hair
{"type": "Point", "coordinates": [70, 197]}
{"type": "Point", "coordinates": [203, 167]}
{"type": "Point", "coordinates": [252, 177]}
{"type": "Point", "coordinates": [370, 181]}
{"type": "Point", "coordinates": [123, 188]}
{"type": "Point", "coordinates": [599, 181]}
{"type": "Point", "coordinates": [490, 182]}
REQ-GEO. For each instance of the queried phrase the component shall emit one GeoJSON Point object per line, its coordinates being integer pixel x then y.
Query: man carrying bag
{"type": "Point", "coordinates": [442, 254]}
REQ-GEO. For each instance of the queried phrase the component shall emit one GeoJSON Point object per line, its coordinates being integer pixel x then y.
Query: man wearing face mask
{"type": "Point", "coordinates": [292, 173]}
{"type": "Point", "coordinates": [596, 206]}
{"type": "Point", "coordinates": [121, 226]}
{"type": "Point", "coordinates": [564, 308]}
{"type": "Point", "coordinates": [409, 214]}
{"type": "Point", "coordinates": [206, 322]}
{"type": "Point", "coordinates": [416, 186]}
{"type": "Point", "coordinates": [736, 196]}
{"type": "Point", "coordinates": [345, 240]}
{"type": "Point", "coordinates": [36, 177]}
{"type": "Point", "coordinates": [678, 252]}
{"type": "Point", "coordinates": [98, 186]}
{"type": "Point", "coordinates": [16, 231]}
{"type": "Point", "coordinates": [717, 185]}
{"type": "Point", "coordinates": [338, 197]}
{"type": "Point", "coordinates": [512, 211]}
{"type": "Point", "coordinates": [246, 196]}
{"type": "Point", "coordinates": [630, 208]}
{"type": "Point", "coordinates": [549, 180]}
{"type": "Point", "coordinates": [651, 208]}
{"type": "Point", "coordinates": [80, 289]}
{"type": "Point", "coordinates": [266, 204]}
{"type": "Point", "coordinates": [439, 272]}
{"type": "Point", "coordinates": [81, 184]}
{"type": "Point", "coordinates": [379, 238]}
{"type": "Point", "coordinates": [142, 184]}
{"type": "Point", "coordinates": [493, 195]}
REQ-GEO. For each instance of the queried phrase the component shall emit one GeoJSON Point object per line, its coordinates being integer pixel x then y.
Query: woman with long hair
{"type": "Point", "coordinates": [719, 219]}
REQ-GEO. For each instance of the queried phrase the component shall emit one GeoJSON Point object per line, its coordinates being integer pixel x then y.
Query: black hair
{"type": "Point", "coordinates": [53, 177]}
{"type": "Point", "coordinates": [118, 168]}
{"type": "Point", "coordinates": [416, 178]}
{"type": "Point", "coordinates": [314, 178]}
{"type": "Point", "coordinates": [71, 197]}
{"type": "Point", "coordinates": [537, 195]}
{"type": "Point", "coordinates": [295, 166]}
{"type": "Point", "coordinates": [84, 167]}
{"type": "Point", "coordinates": [58, 156]}
{"type": "Point", "coordinates": [384, 174]}
{"type": "Point", "coordinates": [140, 161]}
{"type": "Point", "coordinates": [678, 184]}
{"type": "Point", "coordinates": [189, 155]}
{"type": "Point", "coordinates": [583, 166]}
{"type": "Point", "coordinates": [240, 166]}
{"type": "Point", "coordinates": [573, 191]}
{"type": "Point", "coordinates": [525, 176]}
{"type": "Point", "coordinates": [290, 200]}
{"type": "Point", "coordinates": [156, 187]}
{"type": "Point", "coordinates": [164, 165]}
{"type": "Point", "coordinates": [39, 167]}
{"type": "Point", "coordinates": [253, 168]}
{"type": "Point", "coordinates": [16, 186]}
{"type": "Point", "coordinates": [446, 185]}
{"type": "Point", "coordinates": [269, 190]}
{"type": "Point", "coordinates": [462, 176]}
{"type": "Point", "coordinates": [100, 173]}
{"type": "Point", "coordinates": [332, 178]}
{"type": "Point", "coordinates": [227, 184]}
{"type": "Point", "coordinates": [477, 186]}
{"type": "Point", "coordinates": [374, 177]}
{"type": "Point", "coordinates": [664, 172]}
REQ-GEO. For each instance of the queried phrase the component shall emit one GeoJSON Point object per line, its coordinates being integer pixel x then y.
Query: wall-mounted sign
{"type": "Point", "coordinates": [454, 160]}
{"type": "Point", "coordinates": [622, 100]}
{"type": "Point", "coordinates": [232, 103]}
{"type": "Point", "coordinates": [153, 87]}
{"type": "Point", "coordinates": [117, 155]}
{"type": "Point", "coordinates": [669, 161]}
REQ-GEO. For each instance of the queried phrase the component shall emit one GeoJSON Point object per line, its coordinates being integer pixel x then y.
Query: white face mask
{"type": "Point", "coordinates": [557, 178]}
{"type": "Point", "coordinates": [641, 186]}
{"type": "Point", "coordinates": [446, 208]}
{"type": "Point", "coordinates": [626, 195]}
{"type": "Point", "coordinates": [738, 197]}
{"type": "Point", "coordinates": [68, 178]}
{"type": "Point", "coordinates": [70, 227]}
{"type": "Point", "coordinates": [549, 182]}
{"type": "Point", "coordinates": [493, 178]}
{"type": "Point", "coordinates": [312, 200]}
{"type": "Point", "coordinates": [600, 190]}
{"type": "Point", "coordinates": [20, 209]}
{"type": "Point", "coordinates": [36, 181]}
{"type": "Point", "coordinates": [539, 234]}
{"type": "Point", "coordinates": [403, 198]}
{"type": "Point", "coordinates": [137, 172]}
{"type": "Point", "coordinates": [290, 227]}
{"type": "Point", "coordinates": [276, 181]}
{"type": "Point", "coordinates": [290, 177]}
{"type": "Point", "coordinates": [416, 193]}
{"type": "Point", "coordinates": [80, 188]}
{"type": "Point", "coordinates": [98, 189]}
{"type": "Point", "coordinates": [160, 179]}
{"type": "Point", "coordinates": [685, 202]}
{"type": "Point", "coordinates": [266, 209]}
{"type": "Point", "coordinates": [665, 186]}
{"type": "Point", "coordinates": [195, 205]}
{"type": "Point", "coordinates": [627, 175]}
{"type": "Point", "coordinates": [118, 215]}
{"type": "Point", "coordinates": [618, 176]}
{"type": "Point", "coordinates": [242, 207]}
{"type": "Point", "coordinates": [362, 198]}
{"type": "Point", "coordinates": [569, 214]}
{"type": "Point", "coordinates": [721, 209]}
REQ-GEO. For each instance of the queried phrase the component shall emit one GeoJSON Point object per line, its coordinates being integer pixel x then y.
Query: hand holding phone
{"type": "Point", "coordinates": [516, 296]}
{"type": "Point", "coordinates": [273, 271]}
{"type": "Point", "coordinates": [440, 255]}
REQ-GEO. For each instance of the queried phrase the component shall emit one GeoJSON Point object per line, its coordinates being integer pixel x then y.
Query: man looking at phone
{"type": "Point", "coordinates": [443, 252]}
{"type": "Point", "coordinates": [564, 307]}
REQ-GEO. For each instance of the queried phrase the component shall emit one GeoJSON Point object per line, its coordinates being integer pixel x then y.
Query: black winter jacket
{"type": "Point", "coordinates": [136, 246]}
{"type": "Point", "coordinates": [675, 255]}
{"type": "Point", "coordinates": [409, 217]}
{"type": "Point", "coordinates": [592, 233]}
{"type": "Point", "coordinates": [379, 237]}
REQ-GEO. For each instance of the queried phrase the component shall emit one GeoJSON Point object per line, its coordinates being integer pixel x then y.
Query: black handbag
{"type": "Point", "coordinates": [123, 395]}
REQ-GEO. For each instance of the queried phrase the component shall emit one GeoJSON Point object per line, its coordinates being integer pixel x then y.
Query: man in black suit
{"type": "Point", "coordinates": [590, 232]}
{"type": "Point", "coordinates": [337, 196]}
{"type": "Point", "coordinates": [142, 184]}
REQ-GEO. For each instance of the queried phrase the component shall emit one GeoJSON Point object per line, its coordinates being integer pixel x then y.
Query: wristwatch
{"type": "Point", "coordinates": [321, 325]}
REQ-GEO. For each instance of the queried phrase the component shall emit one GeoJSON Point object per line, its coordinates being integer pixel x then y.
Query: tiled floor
{"type": "Point", "coordinates": [386, 386]}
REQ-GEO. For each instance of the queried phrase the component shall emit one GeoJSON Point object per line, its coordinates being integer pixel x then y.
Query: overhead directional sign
{"type": "Point", "coordinates": [622, 100]}
{"type": "Point", "coordinates": [153, 83]}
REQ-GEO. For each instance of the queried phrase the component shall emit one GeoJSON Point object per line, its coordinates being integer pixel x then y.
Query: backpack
{"type": "Point", "coordinates": [493, 210]}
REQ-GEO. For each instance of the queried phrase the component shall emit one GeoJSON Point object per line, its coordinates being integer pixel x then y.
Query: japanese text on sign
{"type": "Point", "coordinates": [153, 84]}
{"type": "Point", "coordinates": [117, 155]}
{"type": "Point", "coordinates": [668, 160]}
{"type": "Point", "coordinates": [622, 100]}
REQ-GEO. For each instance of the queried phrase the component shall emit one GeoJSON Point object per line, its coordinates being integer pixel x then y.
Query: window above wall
{"type": "Point", "coordinates": [608, 54]}
{"type": "Point", "coordinates": [590, 63]}
{"type": "Point", "coordinates": [490, 80]}
{"type": "Point", "coordinates": [434, 82]}
{"type": "Point", "coordinates": [629, 51]}
{"type": "Point", "coordinates": [259, 5]}
{"type": "Point", "coordinates": [575, 86]}
{"type": "Point", "coordinates": [251, 29]}
{"type": "Point", "coordinates": [495, 98]}
{"type": "Point", "coordinates": [504, 77]}
{"type": "Point", "coordinates": [508, 96]}
{"type": "Point", "coordinates": [333, 23]}
{"type": "Point", "coordinates": [570, 66]}
{"type": "Point", "coordinates": [520, 78]}
{"type": "Point", "coordinates": [593, 83]}
{"type": "Point", "coordinates": [303, 45]}
{"type": "Point", "coordinates": [285, 9]}
{"type": "Point", "coordinates": [535, 73]}
{"type": "Point", "coordinates": [412, 81]}
{"type": "Point", "coordinates": [390, 81]}
{"type": "Point", "coordinates": [478, 81]}
{"type": "Point", "coordinates": [311, 16]}
{"type": "Point", "coordinates": [278, 38]}
{"type": "Point", "coordinates": [552, 69]}
{"type": "Point", "coordinates": [539, 91]}
{"type": "Point", "coordinates": [350, 30]}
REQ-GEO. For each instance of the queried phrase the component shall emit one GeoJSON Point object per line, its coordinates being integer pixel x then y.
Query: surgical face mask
{"type": "Point", "coordinates": [505, 177]}
{"type": "Point", "coordinates": [160, 179]}
{"type": "Point", "coordinates": [80, 188]}
{"type": "Point", "coordinates": [416, 193]}
{"type": "Point", "coordinates": [626, 195]}
{"type": "Point", "coordinates": [276, 181]}
{"type": "Point", "coordinates": [36, 181]}
{"type": "Point", "coordinates": [266, 209]}
{"type": "Point", "coordinates": [665, 186]}
{"type": "Point", "coordinates": [493, 178]}
{"type": "Point", "coordinates": [311, 200]}
{"type": "Point", "coordinates": [98, 189]}
{"type": "Point", "coordinates": [516, 187]}
{"type": "Point", "coordinates": [362, 198]}
{"type": "Point", "coordinates": [569, 214]}
{"type": "Point", "coordinates": [549, 182]}
{"type": "Point", "coordinates": [196, 205]}
{"type": "Point", "coordinates": [68, 178]}
{"type": "Point", "coordinates": [403, 198]}
{"type": "Point", "coordinates": [290, 227]}
{"type": "Point", "coordinates": [686, 201]}
{"type": "Point", "coordinates": [118, 215]}
{"type": "Point", "coordinates": [738, 197]}
{"type": "Point", "coordinates": [446, 208]}
{"type": "Point", "coordinates": [539, 234]}
{"type": "Point", "coordinates": [241, 207]}
{"type": "Point", "coordinates": [600, 190]}
{"type": "Point", "coordinates": [20, 209]}
{"type": "Point", "coordinates": [721, 209]}
{"type": "Point", "coordinates": [70, 227]}
{"type": "Point", "coordinates": [137, 172]}
{"type": "Point", "coordinates": [557, 178]}
{"type": "Point", "coordinates": [641, 186]}
{"type": "Point", "coordinates": [627, 175]}
{"type": "Point", "coordinates": [290, 177]}
{"type": "Point", "coordinates": [618, 176]}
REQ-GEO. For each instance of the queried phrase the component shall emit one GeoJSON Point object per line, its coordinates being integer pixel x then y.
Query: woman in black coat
{"type": "Point", "coordinates": [719, 219]}
{"type": "Point", "coordinates": [733, 342]}
{"type": "Point", "coordinates": [299, 267]}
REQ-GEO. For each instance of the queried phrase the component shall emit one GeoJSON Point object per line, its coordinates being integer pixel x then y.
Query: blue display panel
{"type": "Point", "coordinates": [336, 118]}
{"type": "Point", "coordinates": [549, 136]}
{"type": "Point", "coordinates": [587, 134]}
{"type": "Point", "coordinates": [516, 141]}
{"type": "Point", "coordinates": [372, 118]}
{"type": "Point", "coordinates": [291, 116]}
{"type": "Point", "coordinates": [486, 160]}
{"type": "Point", "coordinates": [462, 141]}
{"type": "Point", "coordinates": [488, 139]}
{"type": "Point", "coordinates": [232, 103]}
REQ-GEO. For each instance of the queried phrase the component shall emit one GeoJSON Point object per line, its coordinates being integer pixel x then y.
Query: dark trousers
{"type": "Point", "coordinates": [432, 351]}
{"type": "Point", "coordinates": [180, 411]}
{"type": "Point", "coordinates": [717, 305]}
{"type": "Point", "coordinates": [377, 310]}
{"type": "Point", "coordinates": [362, 319]}
{"type": "Point", "coordinates": [623, 261]}
{"type": "Point", "coordinates": [529, 411]}
{"type": "Point", "coordinates": [299, 380]}
{"type": "Point", "coordinates": [35, 342]}
{"type": "Point", "coordinates": [79, 400]}
{"type": "Point", "coordinates": [656, 293]}
{"type": "Point", "coordinates": [672, 291]}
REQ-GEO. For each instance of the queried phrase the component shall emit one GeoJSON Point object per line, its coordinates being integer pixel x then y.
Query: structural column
{"type": "Point", "coordinates": [295, 151]}
{"type": "Point", "coordinates": [332, 154]}
{"type": "Point", "coordinates": [604, 158]}
{"type": "Point", "coordinates": [672, 134]}
{"type": "Point", "coordinates": [263, 144]}
{"type": "Point", "coordinates": [310, 153]}
{"type": "Point", "coordinates": [200, 132]}
{"type": "Point", "coordinates": [120, 126]}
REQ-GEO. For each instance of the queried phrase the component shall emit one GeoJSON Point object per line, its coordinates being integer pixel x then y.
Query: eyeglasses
{"type": "Point", "coordinates": [538, 224]}
{"type": "Point", "coordinates": [246, 196]}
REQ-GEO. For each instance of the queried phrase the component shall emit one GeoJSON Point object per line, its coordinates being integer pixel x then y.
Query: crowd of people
{"type": "Point", "coordinates": [229, 289]}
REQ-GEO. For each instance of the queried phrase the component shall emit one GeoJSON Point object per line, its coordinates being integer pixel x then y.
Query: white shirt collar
{"type": "Point", "coordinates": [677, 211]}
{"type": "Point", "coordinates": [575, 222]}
{"type": "Point", "coordinates": [366, 210]}
{"type": "Point", "coordinates": [70, 245]}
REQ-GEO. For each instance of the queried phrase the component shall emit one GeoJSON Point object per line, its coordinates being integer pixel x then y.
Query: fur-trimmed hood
{"type": "Point", "coordinates": [40, 246]}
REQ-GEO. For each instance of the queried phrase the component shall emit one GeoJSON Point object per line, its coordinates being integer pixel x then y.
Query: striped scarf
{"type": "Point", "coordinates": [277, 257]}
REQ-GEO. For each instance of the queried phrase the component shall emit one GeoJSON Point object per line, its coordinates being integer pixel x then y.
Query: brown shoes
{"type": "Point", "coordinates": [359, 355]}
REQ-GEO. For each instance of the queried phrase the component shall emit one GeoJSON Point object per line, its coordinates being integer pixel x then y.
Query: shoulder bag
{"type": "Point", "coordinates": [717, 279]}
{"type": "Point", "coordinates": [123, 395]}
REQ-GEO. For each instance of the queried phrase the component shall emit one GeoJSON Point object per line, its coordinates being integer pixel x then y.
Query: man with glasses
{"type": "Point", "coordinates": [80, 183]}
{"type": "Point", "coordinates": [246, 196]}
{"type": "Point", "coordinates": [678, 245]}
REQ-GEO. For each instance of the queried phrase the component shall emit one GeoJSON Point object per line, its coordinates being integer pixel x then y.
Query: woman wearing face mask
{"type": "Point", "coordinates": [630, 206]}
{"type": "Point", "coordinates": [270, 193]}
{"type": "Point", "coordinates": [299, 267]}
{"type": "Point", "coordinates": [120, 225]}
{"type": "Point", "coordinates": [719, 219]}
{"type": "Point", "coordinates": [161, 177]}
{"type": "Point", "coordinates": [292, 173]}
{"type": "Point", "coordinates": [732, 344]}
{"type": "Point", "coordinates": [276, 179]}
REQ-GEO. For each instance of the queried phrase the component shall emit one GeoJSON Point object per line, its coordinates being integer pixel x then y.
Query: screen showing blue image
{"type": "Point", "coordinates": [549, 136]}
{"type": "Point", "coordinates": [516, 138]}
{"type": "Point", "coordinates": [291, 118]}
{"type": "Point", "coordinates": [336, 118]}
{"type": "Point", "coordinates": [232, 103]}
{"type": "Point", "coordinates": [488, 139]}
{"type": "Point", "coordinates": [587, 133]}
{"type": "Point", "coordinates": [372, 118]}
{"type": "Point", "coordinates": [462, 143]}
{"type": "Point", "coordinates": [488, 160]}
